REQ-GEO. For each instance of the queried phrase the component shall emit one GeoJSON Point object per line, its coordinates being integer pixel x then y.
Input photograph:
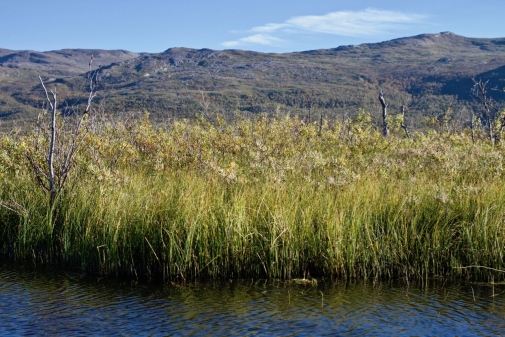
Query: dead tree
{"type": "Point", "coordinates": [385, 125]}
{"type": "Point", "coordinates": [60, 155]}
{"type": "Point", "coordinates": [404, 127]}
{"type": "Point", "coordinates": [488, 114]}
{"type": "Point", "coordinates": [50, 156]}
{"type": "Point", "coordinates": [53, 180]}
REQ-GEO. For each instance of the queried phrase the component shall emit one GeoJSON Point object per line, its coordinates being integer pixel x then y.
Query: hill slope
{"type": "Point", "coordinates": [428, 72]}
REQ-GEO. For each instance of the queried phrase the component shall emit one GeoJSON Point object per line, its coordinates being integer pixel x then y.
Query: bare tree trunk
{"type": "Point", "coordinates": [490, 126]}
{"type": "Point", "coordinates": [50, 155]}
{"type": "Point", "coordinates": [404, 127]}
{"type": "Point", "coordinates": [51, 181]}
{"type": "Point", "coordinates": [385, 125]}
{"type": "Point", "coordinates": [479, 92]}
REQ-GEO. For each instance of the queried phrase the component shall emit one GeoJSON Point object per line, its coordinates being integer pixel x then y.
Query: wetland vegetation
{"type": "Point", "coordinates": [258, 197]}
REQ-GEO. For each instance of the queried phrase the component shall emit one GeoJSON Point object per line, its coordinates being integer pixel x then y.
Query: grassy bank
{"type": "Point", "coordinates": [272, 198]}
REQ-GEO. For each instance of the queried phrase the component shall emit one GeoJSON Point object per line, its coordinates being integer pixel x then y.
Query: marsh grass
{"type": "Point", "coordinates": [274, 198]}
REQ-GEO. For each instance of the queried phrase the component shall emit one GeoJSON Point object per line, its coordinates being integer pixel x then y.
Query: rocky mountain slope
{"type": "Point", "coordinates": [427, 72]}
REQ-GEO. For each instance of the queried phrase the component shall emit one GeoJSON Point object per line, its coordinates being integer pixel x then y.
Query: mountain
{"type": "Point", "coordinates": [21, 95]}
{"type": "Point", "coordinates": [428, 72]}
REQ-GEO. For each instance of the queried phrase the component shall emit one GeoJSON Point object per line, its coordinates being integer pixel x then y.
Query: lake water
{"type": "Point", "coordinates": [65, 304]}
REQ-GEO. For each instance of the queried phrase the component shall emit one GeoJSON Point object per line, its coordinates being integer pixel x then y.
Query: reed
{"type": "Point", "coordinates": [273, 198]}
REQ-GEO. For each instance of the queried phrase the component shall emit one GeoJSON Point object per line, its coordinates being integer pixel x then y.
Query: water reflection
{"type": "Point", "coordinates": [62, 304]}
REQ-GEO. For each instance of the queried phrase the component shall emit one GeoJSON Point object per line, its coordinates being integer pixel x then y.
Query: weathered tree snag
{"type": "Point", "coordinates": [61, 153]}
{"type": "Point", "coordinates": [404, 127]}
{"type": "Point", "coordinates": [93, 81]}
{"type": "Point", "coordinates": [50, 156]}
{"type": "Point", "coordinates": [385, 125]}
{"type": "Point", "coordinates": [479, 92]}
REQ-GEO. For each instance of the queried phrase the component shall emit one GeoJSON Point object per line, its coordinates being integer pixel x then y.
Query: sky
{"type": "Point", "coordinates": [274, 26]}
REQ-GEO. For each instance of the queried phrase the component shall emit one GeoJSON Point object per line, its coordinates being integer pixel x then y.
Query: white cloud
{"type": "Point", "coordinates": [347, 23]}
{"type": "Point", "coordinates": [263, 39]}
{"type": "Point", "coordinates": [270, 27]}
{"type": "Point", "coordinates": [369, 22]}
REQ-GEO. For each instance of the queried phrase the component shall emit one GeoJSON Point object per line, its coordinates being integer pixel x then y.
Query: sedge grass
{"type": "Point", "coordinates": [267, 198]}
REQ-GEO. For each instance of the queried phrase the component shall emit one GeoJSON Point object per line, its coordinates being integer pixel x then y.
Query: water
{"type": "Point", "coordinates": [62, 304]}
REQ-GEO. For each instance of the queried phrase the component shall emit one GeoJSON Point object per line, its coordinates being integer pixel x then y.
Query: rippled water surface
{"type": "Point", "coordinates": [62, 304]}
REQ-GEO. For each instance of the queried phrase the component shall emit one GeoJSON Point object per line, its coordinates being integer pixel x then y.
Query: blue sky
{"type": "Point", "coordinates": [261, 25]}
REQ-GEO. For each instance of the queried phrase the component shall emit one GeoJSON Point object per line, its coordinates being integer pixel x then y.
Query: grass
{"type": "Point", "coordinates": [274, 198]}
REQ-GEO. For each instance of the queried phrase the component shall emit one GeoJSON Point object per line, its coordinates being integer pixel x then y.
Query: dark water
{"type": "Point", "coordinates": [61, 304]}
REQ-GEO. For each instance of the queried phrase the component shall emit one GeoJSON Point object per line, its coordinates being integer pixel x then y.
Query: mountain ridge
{"type": "Point", "coordinates": [425, 71]}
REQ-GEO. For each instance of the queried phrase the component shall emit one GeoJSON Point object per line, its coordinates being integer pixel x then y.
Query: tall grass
{"type": "Point", "coordinates": [273, 198]}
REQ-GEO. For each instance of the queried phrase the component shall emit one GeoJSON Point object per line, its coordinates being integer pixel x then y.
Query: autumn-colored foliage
{"type": "Point", "coordinates": [265, 197]}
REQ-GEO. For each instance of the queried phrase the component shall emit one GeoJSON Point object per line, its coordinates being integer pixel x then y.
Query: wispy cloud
{"type": "Point", "coordinates": [369, 22]}
{"type": "Point", "coordinates": [270, 27]}
{"type": "Point", "coordinates": [263, 39]}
